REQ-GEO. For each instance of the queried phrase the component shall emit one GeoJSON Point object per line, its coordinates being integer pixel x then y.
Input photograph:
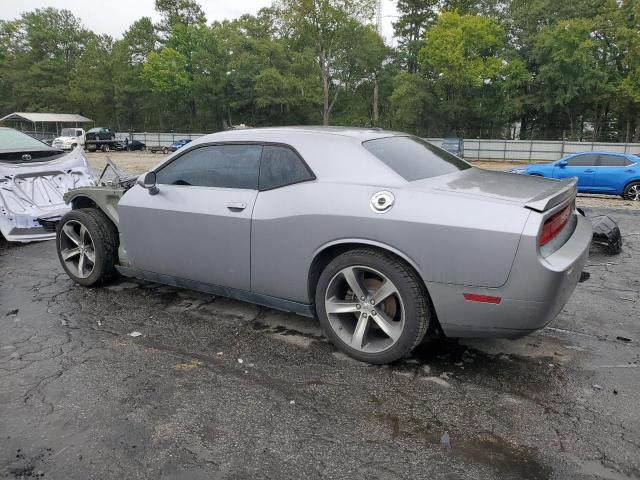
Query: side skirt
{"type": "Point", "coordinates": [236, 294]}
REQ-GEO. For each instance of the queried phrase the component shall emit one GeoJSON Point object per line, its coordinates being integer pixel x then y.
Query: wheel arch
{"type": "Point", "coordinates": [629, 182]}
{"type": "Point", "coordinates": [104, 201]}
{"type": "Point", "coordinates": [327, 252]}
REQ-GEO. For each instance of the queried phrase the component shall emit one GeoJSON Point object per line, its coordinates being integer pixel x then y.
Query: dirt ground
{"type": "Point", "coordinates": [138, 162]}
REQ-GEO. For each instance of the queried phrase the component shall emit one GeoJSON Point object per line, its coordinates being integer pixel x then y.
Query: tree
{"type": "Point", "coordinates": [176, 12]}
{"type": "Point", "coordinates": [132, 99]}
{"type": "Point", "coordinates": [40, 52]}
{"type": "Point", "coordinates": [414, 19]}
{"type": "Point", "coordinates": [91, 86]}
{"type": "Point", "coordinates": [464, 60]}
{"type": "Point", "coordinates": [328, 27]}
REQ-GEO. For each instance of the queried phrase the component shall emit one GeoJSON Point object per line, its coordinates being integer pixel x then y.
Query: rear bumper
{"type": "Point", "coordinates": [536, 291]}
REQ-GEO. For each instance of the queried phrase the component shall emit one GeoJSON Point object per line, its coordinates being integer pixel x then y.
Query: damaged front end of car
{"type": "Point", "coordinates": [31, 194]}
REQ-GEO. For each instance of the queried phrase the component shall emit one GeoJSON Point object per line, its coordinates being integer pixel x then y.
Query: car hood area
{"type": "Point", "coordinates": [33, 191]}
{"type": "Point", "coordinates": [536, 193]}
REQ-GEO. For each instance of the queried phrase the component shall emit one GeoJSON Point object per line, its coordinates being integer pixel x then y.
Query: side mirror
{"type": "Point", "coordinates": [148, 181]}
{"type": "Point", "coordinates": [562, 163]}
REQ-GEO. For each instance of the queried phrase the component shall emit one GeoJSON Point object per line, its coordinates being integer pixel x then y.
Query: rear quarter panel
{"type": "Point", "coordinates": [448, 238]}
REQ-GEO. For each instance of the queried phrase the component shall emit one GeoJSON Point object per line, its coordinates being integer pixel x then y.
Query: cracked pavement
{"type": "Point", "coordinates": [219, 389]}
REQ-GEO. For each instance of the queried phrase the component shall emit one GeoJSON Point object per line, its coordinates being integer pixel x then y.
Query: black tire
{"type": "Point", "coordinates": [165, 150]}
{"type": "Point", "coordinates": [73, 146]}
{"type": "Point", "coordinates": [628, 195]}
{"type": "Point", "coordinates": [106, 148]}
{"type": "Point", "coordinates": [104, 236]}
{"type": "Point", "coordinates": [411, 290]}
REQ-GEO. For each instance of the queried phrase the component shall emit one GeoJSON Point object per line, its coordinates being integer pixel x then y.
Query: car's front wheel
{"type": "Point", "coordinates": [372, 306]}
{"type": "Point", "coordinates": [632, 191]}
{"type": "Point", "coordinates": [87, 244]}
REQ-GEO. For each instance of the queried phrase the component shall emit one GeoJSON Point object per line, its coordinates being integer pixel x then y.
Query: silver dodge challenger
{"type": "Point", "coordinates": [381, 235]}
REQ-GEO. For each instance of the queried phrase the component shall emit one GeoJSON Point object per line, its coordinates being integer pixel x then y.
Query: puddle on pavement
{"type": "Point", "coordinates": [505, 459]}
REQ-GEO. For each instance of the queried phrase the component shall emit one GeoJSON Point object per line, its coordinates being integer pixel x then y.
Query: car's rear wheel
{"type": "Point", "coordinates": [165, 150]}
{"type": "Point", "coordinates": [87, 244]}
{"type": "Point", "coordinates": [632, 191]}
{"type": "Point", "coordinates": [372, 306]}
{"type": "Point", "coordinates": [106, 148]}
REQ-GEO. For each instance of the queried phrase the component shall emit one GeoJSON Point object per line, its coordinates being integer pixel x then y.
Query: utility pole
{"type": "Point", "coordinates": [376, 114]}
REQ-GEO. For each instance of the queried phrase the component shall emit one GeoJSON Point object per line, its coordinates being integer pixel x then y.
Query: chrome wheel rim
{"type": "Point", "coordinates": [365, 309]}
{"type": "Point", "coordinates": [76, 249]}
{"type": "Point", "coordinates": [634, 193]}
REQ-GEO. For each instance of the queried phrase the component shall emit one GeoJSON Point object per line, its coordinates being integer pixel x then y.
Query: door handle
{"type": "Point", "coordinates": [236, 206]}
{"type": "Point", "coordinates": [630, 171]}
{"type": "Point", "coordinates": [589, 171]}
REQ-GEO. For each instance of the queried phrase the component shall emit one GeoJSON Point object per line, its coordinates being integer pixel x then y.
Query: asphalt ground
{"type": "Point", "coordinates": [219, 389]}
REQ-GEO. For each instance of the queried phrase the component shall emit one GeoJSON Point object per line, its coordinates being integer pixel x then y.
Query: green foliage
{"type": "Point", "coordinates": [489, 68]}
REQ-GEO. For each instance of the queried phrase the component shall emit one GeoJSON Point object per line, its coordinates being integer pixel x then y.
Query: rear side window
{"type": "Point", "coordinates": [583, 161]}
{"type": "Point", "coordinates": [281, 166]}
{"type": "Point", "coordinates": [225, 166]}
{"type": "Point", "coordinates": [413, 158]}
{"type": "Point", "coordinates": [613, 161]}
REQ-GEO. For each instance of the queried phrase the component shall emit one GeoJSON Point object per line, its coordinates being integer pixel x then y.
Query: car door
{"type": "Point", "coordinates": [581, 166]}
{"type": "Point", "coordinates": [279, 260]}
{"type": "Point", "coordinates": [198, 225]}
{"type": "Point", "coordinates": [611, 173]}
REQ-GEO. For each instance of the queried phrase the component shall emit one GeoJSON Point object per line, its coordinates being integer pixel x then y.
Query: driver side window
{"type": "Point", "coordinates": [223, 166]}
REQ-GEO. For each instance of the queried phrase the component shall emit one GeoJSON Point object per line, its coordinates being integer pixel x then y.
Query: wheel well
{"type": "Point", "coordinates": [637, 180]}
{"type": "Point", "coordinates": [323, 259]}
{"type": "Point", "coordinates": [82, 202]}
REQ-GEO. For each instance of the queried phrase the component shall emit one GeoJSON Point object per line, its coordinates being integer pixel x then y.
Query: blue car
{"type": "Point", "coordinates": [608, 173]}
{"type": "Point", "coordinates": [179, 144]}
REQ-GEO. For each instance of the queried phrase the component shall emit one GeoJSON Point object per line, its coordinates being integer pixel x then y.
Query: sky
{"type": "Point", "coordinates": [113, 17]}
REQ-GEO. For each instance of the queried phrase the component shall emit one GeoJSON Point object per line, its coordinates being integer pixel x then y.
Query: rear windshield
{"type": "Point", "coordinates": [413, 158]}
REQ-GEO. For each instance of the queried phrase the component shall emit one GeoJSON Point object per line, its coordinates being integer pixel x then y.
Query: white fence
{"type": "Point", "coordinates": [534, 150]}
{"type": "Point", "coordinates": [474, 149]}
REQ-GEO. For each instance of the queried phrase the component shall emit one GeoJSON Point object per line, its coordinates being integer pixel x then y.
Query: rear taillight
{"type": "Point", "coordinates": [553, 225]}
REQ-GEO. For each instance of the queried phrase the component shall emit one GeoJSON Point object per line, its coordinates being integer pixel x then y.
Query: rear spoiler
{"type": "Point", "coordinates": [560, 193]}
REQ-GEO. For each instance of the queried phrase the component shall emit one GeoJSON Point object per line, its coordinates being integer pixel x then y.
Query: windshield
{"type": "Point", "coordinates": [413, 158]}
{"type": "Point", "coordinates": [11, 139]}
{"type": "Point", "coordinates": [68, 132]}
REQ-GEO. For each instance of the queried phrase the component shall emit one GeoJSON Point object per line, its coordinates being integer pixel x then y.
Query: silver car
{"type": "Point", "coordinates": [382, 235]}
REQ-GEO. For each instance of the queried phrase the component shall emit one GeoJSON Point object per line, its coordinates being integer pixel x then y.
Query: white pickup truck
{"type": "Point", "coordinates": [69, 139]}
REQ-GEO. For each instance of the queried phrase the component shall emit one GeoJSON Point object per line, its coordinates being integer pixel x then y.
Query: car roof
{"type": "Point", "coordinates": [333, 153]}
{"type": "Point", "coordinates": [601, 152]}
{"type": "Point", "coordinates": [359, 133]}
